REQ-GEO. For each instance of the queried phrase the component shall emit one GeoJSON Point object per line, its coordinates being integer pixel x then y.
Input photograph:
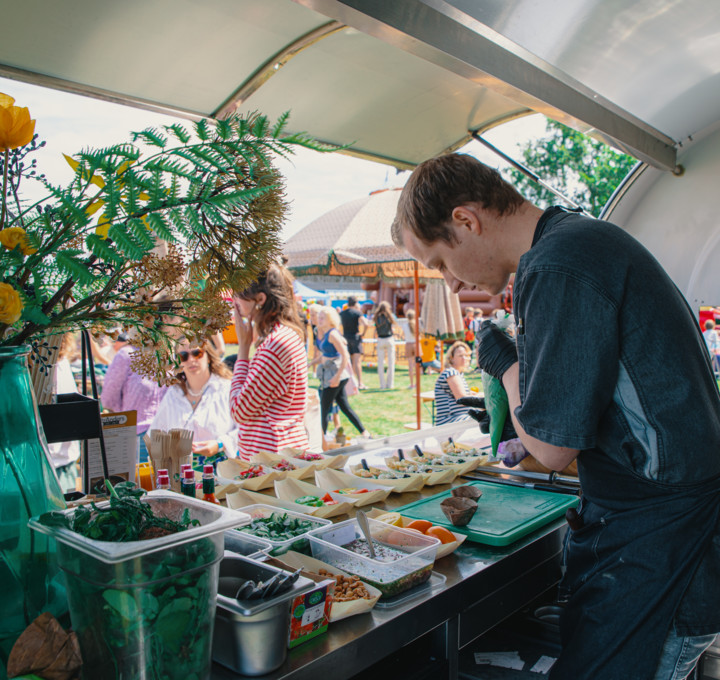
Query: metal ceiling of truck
{"type": "Point", "coordinates": [399, 80]}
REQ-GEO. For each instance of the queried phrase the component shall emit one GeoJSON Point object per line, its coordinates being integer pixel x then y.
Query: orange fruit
{"type": "Point", "coordinates": [442, 534]}
{"type": "Point", "coordinates": [422, 525]}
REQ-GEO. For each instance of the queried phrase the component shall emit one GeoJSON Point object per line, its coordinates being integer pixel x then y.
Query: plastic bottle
{"type": "Point", "coordinates": [208, 482]}
{"type": "Point", "coordinates": [163, 480]}
{"type": "Point", "coordinates": [187, 483]}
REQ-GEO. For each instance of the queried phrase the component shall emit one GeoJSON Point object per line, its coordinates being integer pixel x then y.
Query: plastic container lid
{"type": "Point", "coordinates": [208, 469]}
{"type": "Point", "coordinates": [213, 519]}
{"type": "Point", "coordinates": [391, 577]}
{"type": "Point", "coordinates": [189, 473]}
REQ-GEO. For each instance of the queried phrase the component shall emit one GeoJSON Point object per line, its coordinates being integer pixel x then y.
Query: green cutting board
{"type": "Point", "coordinates": [504, 514]}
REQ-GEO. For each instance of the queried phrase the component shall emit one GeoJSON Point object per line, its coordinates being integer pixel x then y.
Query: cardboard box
{"type": "Point", "coordinates": [309, 613]}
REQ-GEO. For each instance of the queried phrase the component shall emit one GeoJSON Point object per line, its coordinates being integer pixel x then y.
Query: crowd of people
{"type": "Point", "coordinates": [258, 399]}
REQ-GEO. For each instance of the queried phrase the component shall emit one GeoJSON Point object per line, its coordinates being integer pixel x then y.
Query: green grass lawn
{"type": "Point", "coordinates": [384, 412]}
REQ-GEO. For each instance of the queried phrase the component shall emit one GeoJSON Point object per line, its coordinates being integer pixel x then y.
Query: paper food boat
{"type": "Point", "coordinates": [334, 462]}
{"type": "Point", "coordinates": [289, 489]}
{"type": "Point", "coordinates": [242, 498]}
{"type": "Point", "coordinates": [339, 610]}
{"type": "Point", "coordinates": [334, 479]}
{"type": "Point", "coordinates": [443, 475]}
{"type": "Point", "coordinates": [230, 468]}
{"type": "Point", "coordinates": [413, 482]}
{"type": "Point", "coordinates": [303, 469]}
{"type": "Point", "coordinates": [443, 549]}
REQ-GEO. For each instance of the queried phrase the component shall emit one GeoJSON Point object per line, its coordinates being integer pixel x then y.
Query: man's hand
{"type": "Point", "coordinates": [479, 412]}
{"type": "Point", "coordinates": [496, 351]}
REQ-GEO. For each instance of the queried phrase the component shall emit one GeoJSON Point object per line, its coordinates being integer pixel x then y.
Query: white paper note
{"type": "Point", "coordinates": [502, 659]}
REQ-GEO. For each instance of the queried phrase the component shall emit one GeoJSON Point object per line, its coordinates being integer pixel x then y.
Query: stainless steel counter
{"type": "Point", "coordinates": [484, 585]}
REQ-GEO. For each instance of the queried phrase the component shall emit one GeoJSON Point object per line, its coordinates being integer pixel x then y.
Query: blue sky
{"type": "Point", "coordinates": [316, 183]}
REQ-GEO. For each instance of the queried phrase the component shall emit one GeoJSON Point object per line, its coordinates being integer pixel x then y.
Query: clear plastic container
{"type": "Point", "coordinates": [146, 609]}
{"type": "Point", "coordinates": [297, 543]}
{"type": "Point", "coordinates": [252, 547]}
{"type": "Point", "coordinates": [405, 558]}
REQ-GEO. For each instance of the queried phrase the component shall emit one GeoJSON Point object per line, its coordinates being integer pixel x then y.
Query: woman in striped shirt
{"type": "Point", "coordinates": [451, 385]}
{"type": "Point", "coordinates": [268, 394]}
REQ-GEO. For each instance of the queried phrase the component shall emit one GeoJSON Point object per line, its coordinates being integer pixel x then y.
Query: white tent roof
{"type": "Point", "coordinates": [399, 80]}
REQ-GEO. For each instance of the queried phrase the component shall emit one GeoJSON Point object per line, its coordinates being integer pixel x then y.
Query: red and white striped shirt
{"type": "Point", "coordinates": [268, 394]}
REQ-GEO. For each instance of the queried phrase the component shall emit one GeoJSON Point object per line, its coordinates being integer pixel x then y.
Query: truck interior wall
{"type": "Point", "coordinates": [678, 218]}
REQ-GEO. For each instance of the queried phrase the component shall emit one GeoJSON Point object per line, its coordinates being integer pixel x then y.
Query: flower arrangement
{"type": "Point", "coordinates": [146, 236]}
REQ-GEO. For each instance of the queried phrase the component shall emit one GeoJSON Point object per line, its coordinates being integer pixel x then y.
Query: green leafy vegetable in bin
{"type": "Point", "coordinates": [149, 617]}
{"type": "Point", "coordinates": [278, 527]}
{"type": "Point", "coordinates": [126, 518]}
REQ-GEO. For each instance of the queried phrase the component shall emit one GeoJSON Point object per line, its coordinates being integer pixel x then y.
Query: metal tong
{"type": "Point", "coordinates": [273, 586]}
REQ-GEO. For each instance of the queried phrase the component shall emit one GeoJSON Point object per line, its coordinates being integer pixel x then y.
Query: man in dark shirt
{"type": "Point", "coordinates": [354, 325]}
{"type": "Point", "coordinates": [586, 381]}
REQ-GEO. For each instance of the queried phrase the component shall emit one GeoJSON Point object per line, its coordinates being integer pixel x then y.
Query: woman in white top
{"type": "Point", "coordinates": [200, 401]}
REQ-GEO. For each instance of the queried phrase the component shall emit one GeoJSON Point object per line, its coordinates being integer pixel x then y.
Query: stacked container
{"type": "Point", "coordinates": [145, 609]}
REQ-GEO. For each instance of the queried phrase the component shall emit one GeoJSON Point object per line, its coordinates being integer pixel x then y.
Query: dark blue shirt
{"type": "Point", "coordinates": [612, 363]}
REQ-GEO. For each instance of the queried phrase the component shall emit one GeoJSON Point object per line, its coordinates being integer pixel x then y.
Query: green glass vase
{"type": "Point", "coordinates": [30, 580]}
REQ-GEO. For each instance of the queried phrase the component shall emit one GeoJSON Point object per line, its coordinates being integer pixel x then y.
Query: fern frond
{"type": "Point", "coordinates": [202, 130]}
{"type": "Point", "coordinates": [151, 136]}
{"type": "Point", "coordinates": [280, 124]}
{"type": "Point", "coordinates": [75, 268]}
{"type": "Point", "coordinates": [142, 234]}
{"type": "Point", "coordinates": [173, 167]}
{"type": "Point", "coordinates": [224, 130]}
{"type": "Point", "coordinates": [103, 249]}
{"type": "Point", "coordinates": [126, 245]}
{"type": "Point", "coordinates": [179, 132]}
{"type": "Point", "coordinates": [160, 227]}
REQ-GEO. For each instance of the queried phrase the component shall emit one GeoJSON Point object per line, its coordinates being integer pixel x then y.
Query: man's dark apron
{"type": "Point", "coordinates": [628, 568]}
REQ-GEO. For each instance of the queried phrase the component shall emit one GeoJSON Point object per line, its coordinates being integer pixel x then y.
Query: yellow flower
{"type": "Point", "coordinates": [16, 128]}
{"type": "Point", "coordinates": [12, 237]}
{"type": "Point", "coordinates": [10, 304]}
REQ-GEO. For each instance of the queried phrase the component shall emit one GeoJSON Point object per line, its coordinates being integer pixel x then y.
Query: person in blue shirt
{"type": "Point", "coordinates": [585, 382]}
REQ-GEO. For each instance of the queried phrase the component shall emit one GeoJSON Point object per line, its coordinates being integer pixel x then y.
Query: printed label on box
{"type": "Point", "coordinates": [312, 614]}
{"type": "Point", "coordinates": [309, 613]}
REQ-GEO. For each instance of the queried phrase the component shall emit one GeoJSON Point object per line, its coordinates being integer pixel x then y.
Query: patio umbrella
{"type": "Point", "coordinates": [440, 315]}
{"type": "Point", "coordinates": [354, 240]}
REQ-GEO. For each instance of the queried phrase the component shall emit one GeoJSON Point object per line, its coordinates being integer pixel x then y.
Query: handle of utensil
{"type": "Point", "coordinates": [365, 528]}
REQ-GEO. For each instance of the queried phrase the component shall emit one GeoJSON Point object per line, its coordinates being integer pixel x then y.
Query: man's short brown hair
{"type": "Point", "coordinates": [439, 185]}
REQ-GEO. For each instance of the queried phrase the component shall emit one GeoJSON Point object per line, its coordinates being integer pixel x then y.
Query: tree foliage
{"type": "Point", "coordinates": [582, 168]}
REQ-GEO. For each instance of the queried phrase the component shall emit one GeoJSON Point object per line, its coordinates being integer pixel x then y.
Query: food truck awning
{"type": "Point", "coordinates": [399, 81]}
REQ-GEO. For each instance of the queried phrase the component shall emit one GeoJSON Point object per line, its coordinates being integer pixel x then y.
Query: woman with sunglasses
{"type": "Point", "coordinates": [199, 401]}
{"type": "Point", "coordinates": [268, 397]}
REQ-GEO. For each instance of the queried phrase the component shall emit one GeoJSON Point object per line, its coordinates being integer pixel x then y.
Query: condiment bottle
{"type": "Point", "coordinates": [163, 480]}
{"type": "Point", "coordinates": [208, 482]}
{"type": "Point", "coordinates": [144, 476]}
{"type": "Point", "coordinates": [187, 483]}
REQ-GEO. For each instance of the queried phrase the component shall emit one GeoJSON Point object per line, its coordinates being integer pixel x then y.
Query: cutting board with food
{"type": "Point", "coordinates": [503, 514]}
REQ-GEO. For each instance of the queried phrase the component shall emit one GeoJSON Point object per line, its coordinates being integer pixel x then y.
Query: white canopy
{"type": "Point", "coordinates": [399, 80]}
{"type": "Point", "coordinates": [403, 80]}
